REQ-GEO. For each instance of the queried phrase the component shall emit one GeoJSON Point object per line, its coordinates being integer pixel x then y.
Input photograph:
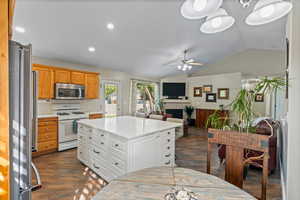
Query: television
{"type": "Point", "coordinates": [174, 90]}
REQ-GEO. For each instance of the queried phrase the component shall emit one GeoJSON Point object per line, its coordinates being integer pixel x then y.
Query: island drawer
{"type": "Point", "coordinates": [98, 167]}
{"type": "Point", "coordinates": [83, 128]}
{"type": "Point", "coordinates": [118, 166]}
{"type": "Point", "coordinates": [99, 135]}
{"type": "Point", "coordinates": [98, 153]}
{"type": "Point", "coordinates": [119, 146]}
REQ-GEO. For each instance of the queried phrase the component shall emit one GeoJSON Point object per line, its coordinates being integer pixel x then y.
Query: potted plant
{"type": "Point", "coordinates": [189, 110]}
{"type": "Point", "coordinates": [242, 108]}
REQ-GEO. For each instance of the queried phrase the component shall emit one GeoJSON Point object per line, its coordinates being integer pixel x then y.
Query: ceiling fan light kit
{"type": "Point", "coordinates": [218, 20]}
{"type": "Point", "coordinates": [266, 11]}
{"type": "Point", "coordinates": [198, 9]}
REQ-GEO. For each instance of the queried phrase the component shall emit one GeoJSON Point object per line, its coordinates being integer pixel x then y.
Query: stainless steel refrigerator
{"type": "Point", "coordinates": [23, 121]}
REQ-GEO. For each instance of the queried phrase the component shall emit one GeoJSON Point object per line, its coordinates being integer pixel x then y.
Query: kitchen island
{"type": "Point", "coordinates": [112, 147]}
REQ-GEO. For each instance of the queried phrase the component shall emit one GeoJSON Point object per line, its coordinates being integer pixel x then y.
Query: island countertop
{"type": "Point", "coordinates": [129, 127]}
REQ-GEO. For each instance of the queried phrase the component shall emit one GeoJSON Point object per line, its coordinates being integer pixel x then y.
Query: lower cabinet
{"type": "Point", "coordinates": [111, 156]}
{"type": "Point", "coordinates": [47, 136]}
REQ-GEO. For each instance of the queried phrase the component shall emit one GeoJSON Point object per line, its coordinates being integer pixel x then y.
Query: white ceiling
{"type": "Point", "coordinates": [147, 34]}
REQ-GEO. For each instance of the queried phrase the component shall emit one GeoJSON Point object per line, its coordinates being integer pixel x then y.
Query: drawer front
{"type": "Point", "coordinates": [43, 146]}
{"type": "Point", "coordinates": [118, 166]}
{"type": "Point", "coordinates": [47, 123]}
{"type": "Point", "coordinates": [119, 146]}
{"type": "Point", "coordinates": [47, 129]}
{"type": "Point", "coordinates": [98, 153]}
{"type": "Point", "coordinates": [99, 167]}
{"type": "Point", "coordinates": [95, 116]}
{"type": "Point", "coordinates": [99, 135]}
{"type": "Point", "coordinates": [47, 136]}
{"type": "Point", "coordinates": [83, 128]}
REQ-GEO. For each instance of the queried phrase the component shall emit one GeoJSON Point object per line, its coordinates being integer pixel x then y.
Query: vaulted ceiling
{"type": "Point", "coordinates": [147, 35]}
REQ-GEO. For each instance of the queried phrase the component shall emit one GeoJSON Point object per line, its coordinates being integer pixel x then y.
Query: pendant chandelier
{"type": "Point", "coordinates": [218, 20]}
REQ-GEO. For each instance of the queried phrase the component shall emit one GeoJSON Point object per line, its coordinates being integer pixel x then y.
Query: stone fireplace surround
{"type": "Point", "coordinates": [176, 104]}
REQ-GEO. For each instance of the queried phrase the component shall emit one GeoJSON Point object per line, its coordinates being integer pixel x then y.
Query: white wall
{"type": "Point", "coordinates": [250, 63]}
{"type": "Point", "coordinates": [293, 160]}
{"type": "Point", "coordinates": [93, 105]}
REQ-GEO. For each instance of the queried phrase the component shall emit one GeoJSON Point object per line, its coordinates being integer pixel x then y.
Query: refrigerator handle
{"type": "Point", "coordinates": [34, 113]}
{"type": "Point", "coordinates": [38, 178]}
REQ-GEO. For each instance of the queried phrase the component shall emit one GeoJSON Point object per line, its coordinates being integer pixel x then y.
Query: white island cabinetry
{"type": "Point", "coordinates": [113, 147]}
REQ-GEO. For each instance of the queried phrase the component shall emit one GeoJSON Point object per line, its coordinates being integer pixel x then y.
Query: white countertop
{"type": "Point", "coordinates": [47, 115]}
{"type": "Point", "coordinates": [129, 127]}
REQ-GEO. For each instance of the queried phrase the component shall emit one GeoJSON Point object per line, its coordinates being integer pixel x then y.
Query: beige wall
{"type": "Point", "coordinates": [93, 105]}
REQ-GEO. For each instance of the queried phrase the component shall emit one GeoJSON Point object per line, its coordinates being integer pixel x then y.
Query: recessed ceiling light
{"type": "Point", "coordinates": [110, 26]}
{"type": "Point", "coordinates": [92, 49]}
{"type": "Point", "coordinates": [20, 29]}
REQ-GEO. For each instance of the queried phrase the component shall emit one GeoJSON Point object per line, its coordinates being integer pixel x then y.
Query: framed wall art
{"type": "Point", "coordinates": [211, 97]}
{"type": "Point", "coordinates": [259, 98]}
{"type": "Point", "coordinates": [207, 88]}
{"type": "Point", "coordinates": [197, 91]}
{"type": "Point", "coordinates": [223, 93]}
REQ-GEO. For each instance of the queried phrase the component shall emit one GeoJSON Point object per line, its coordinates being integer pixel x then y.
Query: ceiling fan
{"type": "Point", "coordinates": [187, 64]}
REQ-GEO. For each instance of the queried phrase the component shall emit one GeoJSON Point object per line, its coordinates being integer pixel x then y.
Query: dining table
{"type": "Point", "coordinates": [155, 183]}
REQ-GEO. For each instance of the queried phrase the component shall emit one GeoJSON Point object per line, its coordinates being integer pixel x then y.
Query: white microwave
{"type": "Point", "coordinates": [69, 91]}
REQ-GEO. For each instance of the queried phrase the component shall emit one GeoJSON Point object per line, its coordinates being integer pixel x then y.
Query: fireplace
{"type": "Point", "coordinates": [176, 113]}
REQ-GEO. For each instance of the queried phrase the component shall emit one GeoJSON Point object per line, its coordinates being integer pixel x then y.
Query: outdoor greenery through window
{"type": "Point", "coordinates": [145, 96]}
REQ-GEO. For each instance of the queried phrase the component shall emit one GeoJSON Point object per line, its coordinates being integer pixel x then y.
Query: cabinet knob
{"type": "Point", "coordinates": [116, 145]}
{"type": "Point", "coordinates": [116, 163]}
{"type": "Point", "coordinates": [102, 143]}
{"type": "Point", "coordinates": [90, 138]}
{"type": "Point", "coordinates": [169, 133]}
{"type": "Point", "coordinates": [169, 140]}
{"type": "Point", "coordinates": [168, 147]}
{"type": "Point", "coordinates": [102, 135]}
{"type": "Point", "coordinates": [167, 163]}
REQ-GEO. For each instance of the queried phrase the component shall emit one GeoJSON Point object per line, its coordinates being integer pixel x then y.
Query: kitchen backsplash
{"type": "Point", "coordinates": [47, 106]}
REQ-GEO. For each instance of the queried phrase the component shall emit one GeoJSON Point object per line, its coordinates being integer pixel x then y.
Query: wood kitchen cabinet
{"type": "Point", "coordinates": [91, 86]}
{"type": "Point", "coordinates": [203, 114]}
{"type": "Point", "coordinates": [62, 76]}
{"type": "Point", "coordinates": [78, 78]}
{"type": "Point", "coordinates": [47, 136]}
{"type": "Point", "coordinates": [49, 75]}
{"type": "Point", "coordinates": [95, 116]}
{"type": "Point", "coordinates": [45, 82]}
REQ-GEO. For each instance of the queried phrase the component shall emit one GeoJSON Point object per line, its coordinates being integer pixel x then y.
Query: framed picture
{"type": "Point", "coordinates": [211, 97]}
{"type": "Point", "coordinates": [259, 98]}
{"type": "Point", "coordinates": [223, 93]}
{"type": "Point", "coordinates": [197, 91]}
{"type": "Point", "coordinates": [207, 88]}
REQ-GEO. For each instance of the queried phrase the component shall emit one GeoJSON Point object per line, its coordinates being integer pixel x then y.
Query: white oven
{"type": "Point", "coordinates": [67, 134]}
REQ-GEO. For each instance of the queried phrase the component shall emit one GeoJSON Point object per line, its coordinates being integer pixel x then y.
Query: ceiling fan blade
{"type": "Point", "coordinates": [189, 61]}
{"type": "Point", "coordinates": [195, 64]}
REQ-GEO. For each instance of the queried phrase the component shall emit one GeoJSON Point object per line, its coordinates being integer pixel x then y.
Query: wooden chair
{"type": "Point", "coordinates": [236, 145]}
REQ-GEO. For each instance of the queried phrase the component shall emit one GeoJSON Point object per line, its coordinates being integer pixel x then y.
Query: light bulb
{"type": "Point", "coordinates": [190, 67]}
{"type": "Point", "coordinates": [216, 22]}
{"type": "Point", "coordinates": [179, 67]}
{"type": "Point", "coordinates": [199, 5]}
{"type": "Point", "coordinates": [183, 69]}
{"type": "Point", "coordinates": [267, 11]}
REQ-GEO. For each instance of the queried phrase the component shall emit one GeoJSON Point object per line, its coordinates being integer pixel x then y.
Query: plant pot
{"type": "Point", "coordinates": [191, 122]}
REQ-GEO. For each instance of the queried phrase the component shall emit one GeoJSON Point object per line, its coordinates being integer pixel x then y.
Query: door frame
{"type": "Point", "coordinates": [119, 94]}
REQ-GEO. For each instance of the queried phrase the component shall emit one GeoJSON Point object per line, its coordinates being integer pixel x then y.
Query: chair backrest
{"type": "Point", "coordinates": [158, 117]}
{"type": "Point", "coordinates": [236, 144]}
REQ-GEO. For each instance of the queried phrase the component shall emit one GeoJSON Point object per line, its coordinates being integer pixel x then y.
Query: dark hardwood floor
{"type": "Point", "coordinates": [65, 178]}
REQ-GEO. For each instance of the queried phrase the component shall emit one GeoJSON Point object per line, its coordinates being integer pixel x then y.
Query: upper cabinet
{"type": "Point", "coordinates": [91, 86]}
{"type": "Point", "coordinates": [45, 82]}
{"type": "Point", "coordinates": [62, 76]}
{"type": "Point", "coordinates": [78, 78]}
{"type": "Point", "coordinates": [48, 76]}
